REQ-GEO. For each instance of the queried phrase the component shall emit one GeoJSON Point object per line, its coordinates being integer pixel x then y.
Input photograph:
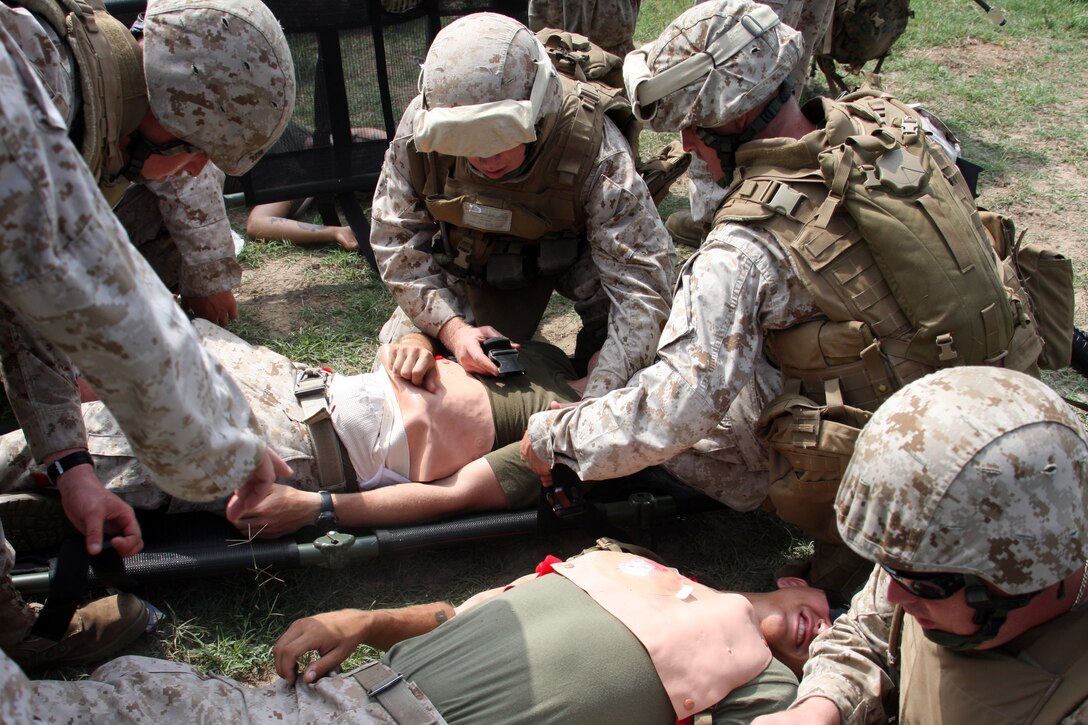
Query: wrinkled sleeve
{"type": "Point", "coordinates": [41, 387]}
{"type": "Point", "coordinates": [195, 215]}
{"type": "Point", "coordinates": [727, 295]}
{"type": "Point", "coordinates": [66, 266]}
{"type": "Point", "coordinates": [401, 230]}
{"type": "Point", "coordinates": [635, 258]}
{"type": "Point", "coordinates": [849, 663]}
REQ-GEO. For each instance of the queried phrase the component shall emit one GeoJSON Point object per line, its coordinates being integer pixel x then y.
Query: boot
{"type": "Point", "coordinates": [97, 631]}
{"type": "Point", "coordinates": [685, 230]}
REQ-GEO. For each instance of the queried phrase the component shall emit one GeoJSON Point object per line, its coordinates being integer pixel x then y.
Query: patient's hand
{"type": "Point", "coordinates": [411, 362]}
{"type": "Point", "coordinates": [284, 510]}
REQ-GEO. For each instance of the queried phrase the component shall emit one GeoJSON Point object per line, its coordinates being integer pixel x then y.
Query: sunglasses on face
{"type": "Point", "coordinates": [927, 586]}
{"type": "Point", "coordinates": [139, 149]}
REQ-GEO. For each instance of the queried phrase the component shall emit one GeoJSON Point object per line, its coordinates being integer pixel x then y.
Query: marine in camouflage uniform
{"type": "Point", "coordinates": [608, 23]}
{"type": "Point", "coordinates": [70, 276]}
{"type": "Point", "coordinates": [695, 410]}
{"type": "Point", "coordinates": [620, 268]}
{"type": "Point", "coordinates": [971, 487]}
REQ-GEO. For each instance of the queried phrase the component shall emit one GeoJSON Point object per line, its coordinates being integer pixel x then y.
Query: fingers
{"type": "Point", "coordinates": [128, 545]}
{"type": "Point", "coordinates": [93, 535]}
{"type": "Point", "coordinates": [430, 380]}
{"type": "Point", "coordinates": [324, 665]}
{"type": "Point", "coordinates": [126, 537]}
{"type": "Point", "coordinates": [258, 485]}
{"type": "Point", "coordinates": [311, 634]}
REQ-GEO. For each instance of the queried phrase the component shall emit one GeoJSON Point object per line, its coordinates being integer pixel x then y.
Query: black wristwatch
{"type": "Point", "coordinates": [62, 465]}
{"type": "Point", "coordinates": [326, 520]}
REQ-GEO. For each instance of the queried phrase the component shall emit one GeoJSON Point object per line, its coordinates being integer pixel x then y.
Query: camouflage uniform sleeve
{"type": "Point", "coordinates": [635, 257]}
{"type": "Point", "coordinates": [66, 267]}
{"type": "Point", "coordinates": [41, 387]}
{"type": "Point", "coordinates": [194, 214]}
{"type": "Point", "coordinates": [849, 663]}
{"type": "Point", "coordinates": [401, 230]}
{"type": "Point", "coordinates": [735, 287]}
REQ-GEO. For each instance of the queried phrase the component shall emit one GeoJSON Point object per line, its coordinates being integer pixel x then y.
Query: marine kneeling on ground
{"type": "Point", "coordinates": [606, 636]}
{"type": "Point", "coordinates": [506, 181]}
{"type": "Point", "coordinates": [847, 258]}
{"type": "Point", "coordinates": [448, 439]}
{"type": "Point", "coordinates": [969, 489]}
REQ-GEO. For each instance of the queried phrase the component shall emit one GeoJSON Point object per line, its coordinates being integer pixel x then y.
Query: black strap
{"type": "Point", "coordinates": [69, 581]}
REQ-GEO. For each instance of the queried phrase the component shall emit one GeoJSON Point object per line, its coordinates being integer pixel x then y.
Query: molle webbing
{"type": "Point", "coordinates": [111, 77]}
{"type": "Point", "coordinates": [883, 231]}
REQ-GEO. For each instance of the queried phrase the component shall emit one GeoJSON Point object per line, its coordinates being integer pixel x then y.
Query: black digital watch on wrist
{"type": "Point", "coordinates": [62, 465]}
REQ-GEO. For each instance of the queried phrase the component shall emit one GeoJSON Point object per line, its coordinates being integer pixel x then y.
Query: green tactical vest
{"type": "Point", "coordinates": [883, 231]}
{"type": "Point", "coordinates": [109, 63]}
{"type": "Point", "coordinates": [508, 233]}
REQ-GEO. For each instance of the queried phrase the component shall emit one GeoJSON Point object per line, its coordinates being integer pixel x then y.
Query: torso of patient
{"type": "Point", "coordinates": [446, 429]}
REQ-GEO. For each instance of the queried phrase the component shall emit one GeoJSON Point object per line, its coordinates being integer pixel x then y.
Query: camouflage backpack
{"type": "Point", "coordinates": [861, 31]}
{"type": "Point", "coordinates": [578, 58]}
{"type": "Point", "coordinates": [864, 30]}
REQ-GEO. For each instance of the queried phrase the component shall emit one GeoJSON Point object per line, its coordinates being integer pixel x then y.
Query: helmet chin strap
{"type": "Point", "coordinates": [727, 144]}
{"type": "Point", "coordinates": [991, 611]}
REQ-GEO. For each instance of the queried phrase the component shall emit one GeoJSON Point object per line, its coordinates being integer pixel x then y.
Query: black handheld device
{"type": "Point", "coordinates": [503, 354]}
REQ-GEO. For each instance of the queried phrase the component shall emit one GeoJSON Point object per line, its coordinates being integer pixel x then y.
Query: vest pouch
{"type": "Point", "coordinates": [809, 446]}
{"type": "Point", "coordinates": [558, 253]}
{"type": "Point", "coordinates": [512, 264]}
{"type": "Point", "coordinates": [820, 350]}
{"type": "Point", "coordinates": [1047, 277]}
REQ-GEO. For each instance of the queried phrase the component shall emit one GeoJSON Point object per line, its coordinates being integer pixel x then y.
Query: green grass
{"type": "Point", "coordinates": [1015, 95]}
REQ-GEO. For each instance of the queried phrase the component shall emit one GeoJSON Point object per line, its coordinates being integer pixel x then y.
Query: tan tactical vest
{"type": "Point", "coordinates": [109, 62]}
{"type": "Point", "coordinates": [506, 234]}
{"type": "Point", "coordinates": [869, 346]}
{"type": "Point", "coordinates": [883, 326]}
{"type": "Point", "coordinates": [1040, 677]}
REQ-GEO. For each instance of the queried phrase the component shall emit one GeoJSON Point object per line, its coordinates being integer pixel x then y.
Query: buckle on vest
{"type": "Point", "coordinates": [910, 129]}
{"type": "Point", "coordinates": [947, 346]}
{"type": "Point", "coordinates": [783, 199]}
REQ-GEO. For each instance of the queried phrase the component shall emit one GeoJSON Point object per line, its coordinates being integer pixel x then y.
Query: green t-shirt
{"type": "Point", "coordinates": [545, 652]}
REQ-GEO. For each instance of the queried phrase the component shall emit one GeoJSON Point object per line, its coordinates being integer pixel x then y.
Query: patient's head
{"type": "Point", "coordinates": [791, 616]}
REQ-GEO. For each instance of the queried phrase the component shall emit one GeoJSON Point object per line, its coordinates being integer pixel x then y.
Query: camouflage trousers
{"type": "Point", "coordinates": [812, 18]}
{"type": "Point", "coordinates": [142, 689]}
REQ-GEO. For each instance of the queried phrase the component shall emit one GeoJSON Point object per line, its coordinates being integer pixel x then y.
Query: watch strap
{"type": "Point", "coordinates": [327, 516]}
{"type": "Point", "coordinates": [62, 465]}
